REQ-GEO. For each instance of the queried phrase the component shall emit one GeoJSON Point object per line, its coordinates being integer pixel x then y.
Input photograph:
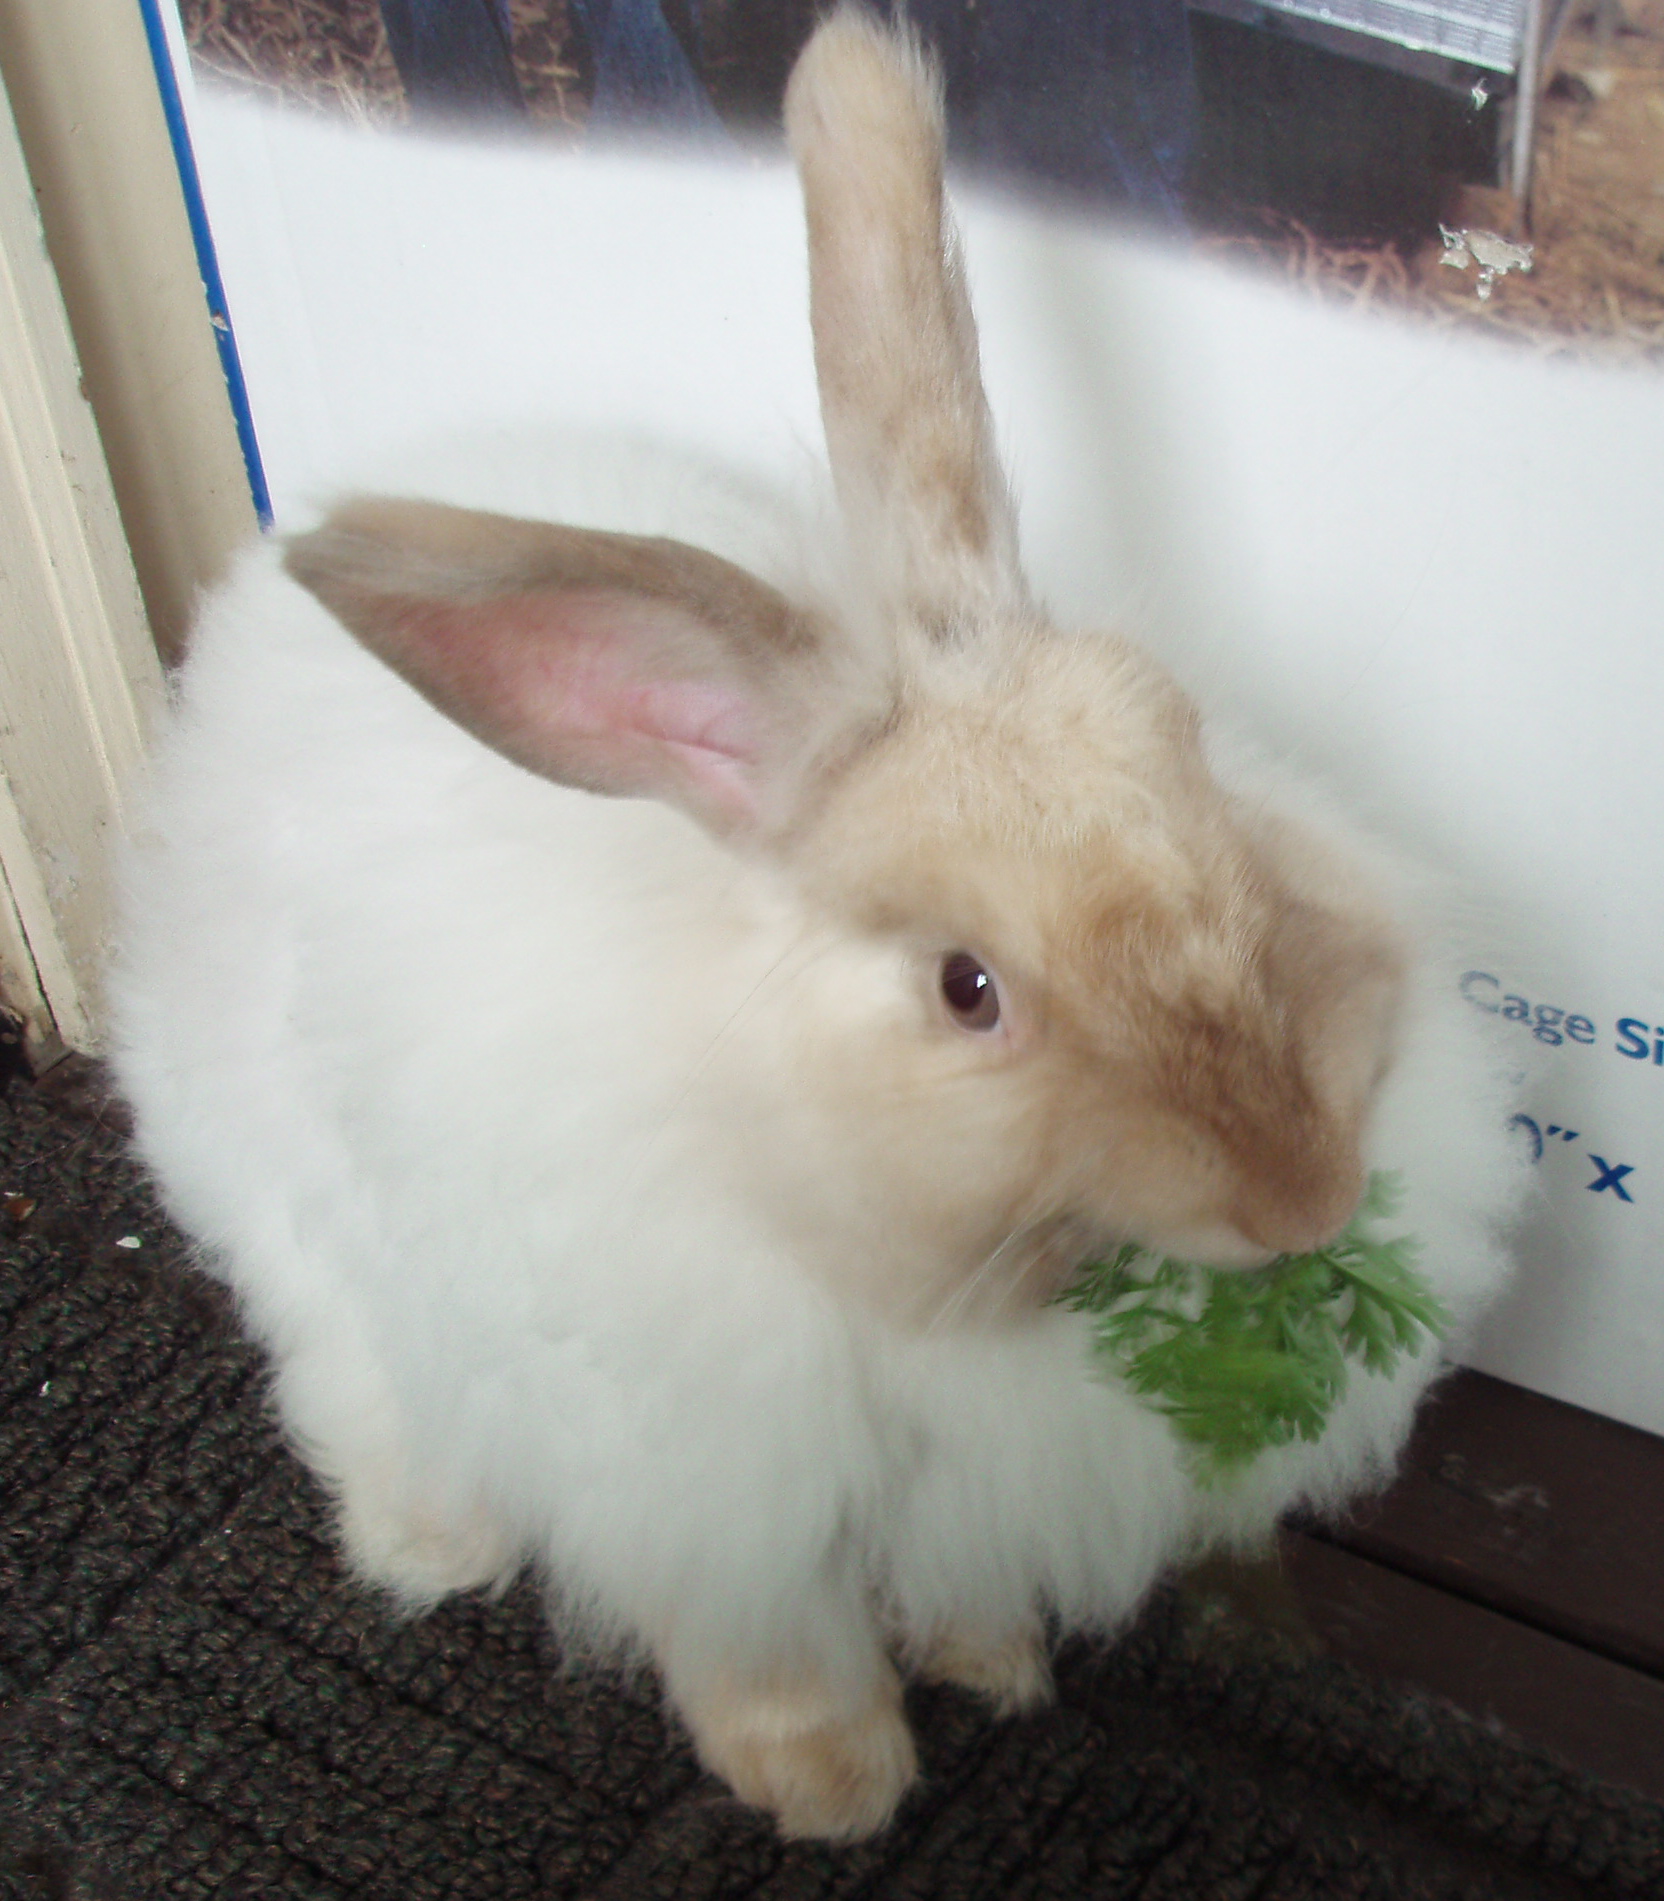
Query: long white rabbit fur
{"type": "Point", "coordinates": [612, 1180]}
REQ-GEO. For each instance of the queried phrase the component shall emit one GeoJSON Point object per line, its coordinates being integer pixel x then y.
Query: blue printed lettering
{"type": "Point", "coordinates": [1476, 980]}
{"type": "Point", "coordinates": [1611, 1176]}
{"type": "Point", "coordinates": [1632, 1038]}
{"type": "Point", "coordinates": [1636, 1038]}
{"type": "Point", "coordinates": [1528, 1128]}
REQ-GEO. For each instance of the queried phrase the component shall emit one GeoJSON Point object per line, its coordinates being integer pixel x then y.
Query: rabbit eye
{"type": "Point", "coordinates": [969, 992]}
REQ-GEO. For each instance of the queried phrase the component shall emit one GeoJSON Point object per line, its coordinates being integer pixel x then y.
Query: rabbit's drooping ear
{"type": "Point", "coordinates": [617, 663]}
{"type": "Point", "coordinates": [907, 423]}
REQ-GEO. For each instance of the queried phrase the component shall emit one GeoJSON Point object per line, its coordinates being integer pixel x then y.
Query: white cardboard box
{"type": "Point", "coordinates": [1429, 565]}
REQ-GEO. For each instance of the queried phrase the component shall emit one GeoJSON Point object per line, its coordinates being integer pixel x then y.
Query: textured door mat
{"type": "Point", "coordinates": [195, 1702]}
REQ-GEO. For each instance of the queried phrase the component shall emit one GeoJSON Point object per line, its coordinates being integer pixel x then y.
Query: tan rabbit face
{"type": "Point", "coordinates": [1125, 1009]}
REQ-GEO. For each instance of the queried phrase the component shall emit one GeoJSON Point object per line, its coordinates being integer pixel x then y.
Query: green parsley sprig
{"type": "Point", "coordinates": [1242, 1360]}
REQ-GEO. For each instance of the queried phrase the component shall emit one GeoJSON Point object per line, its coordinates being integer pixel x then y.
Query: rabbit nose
{"type": "Point", "coordinates": [1305, 1225]}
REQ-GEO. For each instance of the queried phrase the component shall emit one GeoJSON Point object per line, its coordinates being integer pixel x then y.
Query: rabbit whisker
{"type": "Point", "coordinates": [956, 1302]}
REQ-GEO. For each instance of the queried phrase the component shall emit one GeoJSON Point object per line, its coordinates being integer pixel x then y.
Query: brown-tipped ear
{"type": "Point", "coordinates": [624, 665]}
{"type": "Point", "coordinates": [907, 423]}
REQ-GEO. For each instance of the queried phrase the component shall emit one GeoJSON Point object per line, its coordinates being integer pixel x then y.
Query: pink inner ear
{"type": "Point", "coordinates": [707, 731]}
{"type": "Point", "coordinates": [692, 714]}
{"type": "Point", "coordinates": [619, 692]}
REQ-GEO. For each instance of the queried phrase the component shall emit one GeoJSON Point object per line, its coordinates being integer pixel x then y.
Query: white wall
{"type": "Point", "coordinates": [1430, 565]}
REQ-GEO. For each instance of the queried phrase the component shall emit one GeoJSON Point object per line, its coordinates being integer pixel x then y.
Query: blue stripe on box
{"type": "Point", "coordinates": [207, 263]}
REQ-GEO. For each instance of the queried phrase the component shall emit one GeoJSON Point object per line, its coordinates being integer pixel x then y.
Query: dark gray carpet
{"type": "Point", "coordinates": [195, 1703]}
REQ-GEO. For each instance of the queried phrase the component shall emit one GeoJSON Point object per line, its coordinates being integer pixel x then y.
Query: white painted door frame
{"type": "Point", "coordinates": [79, 677]}
{"type": "Point", "coordinates": [122, 484]}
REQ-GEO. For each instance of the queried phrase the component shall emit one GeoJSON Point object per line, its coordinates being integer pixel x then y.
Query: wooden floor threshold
{"type": "Point", "coordinates": [1515, 1569]}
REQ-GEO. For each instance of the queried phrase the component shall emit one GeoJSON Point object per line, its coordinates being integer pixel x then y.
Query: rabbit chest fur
{"type": "Point", "coordinates": [646, 1012]}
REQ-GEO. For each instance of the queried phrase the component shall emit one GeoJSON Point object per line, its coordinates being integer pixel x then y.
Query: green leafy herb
{"type": "Point", "coordinates": [1244, 1360]}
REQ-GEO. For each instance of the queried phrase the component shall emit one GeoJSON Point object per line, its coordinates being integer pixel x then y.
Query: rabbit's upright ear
{"type": "Point", "coordinates": [907, 423]}
{"type": "Point", "coordinates": [626, 665]}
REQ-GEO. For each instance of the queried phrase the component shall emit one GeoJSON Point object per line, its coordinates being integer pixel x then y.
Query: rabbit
{"type": "Point", "coordinates": [647, 1014]}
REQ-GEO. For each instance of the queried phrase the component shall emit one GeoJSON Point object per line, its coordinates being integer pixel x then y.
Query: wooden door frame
{"type": "Point", "coordinates": [122, 484]}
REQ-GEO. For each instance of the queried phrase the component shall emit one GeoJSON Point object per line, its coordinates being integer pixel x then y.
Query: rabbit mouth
{"type": "Point", "coordinates": [1022, 1273]}
{"type": "Point", "coordinates": [1041, 1259]}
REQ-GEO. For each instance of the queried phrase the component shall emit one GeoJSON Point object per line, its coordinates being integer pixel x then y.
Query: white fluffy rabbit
{"type": "Point", "coordinates": [668, 1188]}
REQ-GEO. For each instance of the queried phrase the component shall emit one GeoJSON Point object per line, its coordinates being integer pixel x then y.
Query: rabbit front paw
{"type": "Point", "coordinates": [1011, 1671]}
{"type": "Point", "coordinates": [415, 1553]}
{"type": "Point", "coordinates": [824, 1769]}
